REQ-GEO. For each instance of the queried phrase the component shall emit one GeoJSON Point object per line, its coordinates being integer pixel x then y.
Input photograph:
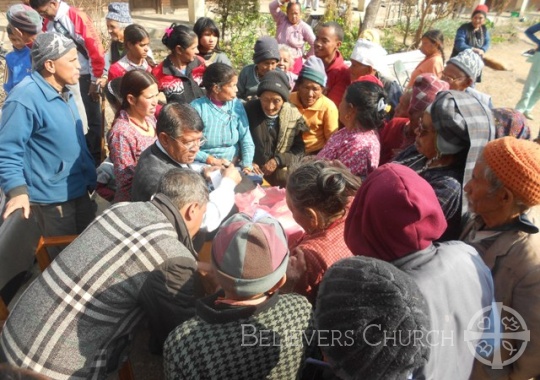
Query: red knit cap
{"type": "Point", "coordinates": [370, 78]}
{"type": "Point", "coordinates": [516, 163]}
{"type": "Point", "coordinates": [395, 213]}
{"type": "Point", "coordinates": [482, 8]}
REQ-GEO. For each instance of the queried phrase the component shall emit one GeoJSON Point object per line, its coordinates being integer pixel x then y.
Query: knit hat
{"type": "Point", "coordinates": [49, 46]}
{"type": "Point", "coordinates": [314, 70]}
{"type": "Point", "coordinates": [510, 122]}
{"type": "Point", "coordinates": [424, 90]}
{"type": "Point", "coordinates": [266, 47]}
{"type": "Point", "coordinates": [469, 62]}
{"type": "Point", "coordinates": [481, 8]}
{"type": "Point", "coordinates": [370, 54]}
{"type": "Point", "coordinates": [369, 301]}
{"type": "Point", "coordinates": [24, 18]}
{"type": "Point", "coordinates": [119, 12]}
{"type": "Point", "coordinates": [517, 164]}
{"type": "Point", "coordinates": [275, 81]}
{"type": "Point", "coordinates": [249, 255]}
{"type": "Point", "coordinates": [394, 202]}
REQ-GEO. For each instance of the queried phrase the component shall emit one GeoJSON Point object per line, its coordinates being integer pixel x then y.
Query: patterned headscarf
{"type": "Point", "coordinates": [510, 122]}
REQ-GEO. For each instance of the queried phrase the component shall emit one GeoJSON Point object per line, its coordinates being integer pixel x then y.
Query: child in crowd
{"type": "Point", "coordinates": [247, 330]}
{"type": "Point", "coordinates": [137, 47]}
{"type": "Point", "coordinates": [18, 62]}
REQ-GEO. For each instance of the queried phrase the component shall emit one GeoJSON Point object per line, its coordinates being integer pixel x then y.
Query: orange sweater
{"type": "Point", "coordinates": [430, 65]}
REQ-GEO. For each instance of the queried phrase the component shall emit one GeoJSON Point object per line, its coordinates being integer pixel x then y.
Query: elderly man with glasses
{"type": "Point", "coordinates": [179, 137]}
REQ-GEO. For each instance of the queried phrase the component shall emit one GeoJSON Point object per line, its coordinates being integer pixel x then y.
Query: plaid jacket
{"type": "Point", "coordinates": [75, 321]}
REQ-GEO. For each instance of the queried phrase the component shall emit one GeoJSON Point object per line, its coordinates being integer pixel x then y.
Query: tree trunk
{"type": "Point", "coordinates": [370, 17]}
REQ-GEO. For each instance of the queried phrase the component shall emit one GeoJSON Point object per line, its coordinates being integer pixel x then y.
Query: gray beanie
{"type": "Point", "coordinates": [24, 18]}
{"type": "Point", "coordinates": [366, 300]}
{"type": "Point", "coordinates": [49, 46]}
{"type": "Point", "coordinates": [469, 62]}
{"type": "Point", "coordinates": [275, 81]}
{"type": "Point", "coordinates": [314, 70]}
{"type": "Point", "coordinates": [266, 47]}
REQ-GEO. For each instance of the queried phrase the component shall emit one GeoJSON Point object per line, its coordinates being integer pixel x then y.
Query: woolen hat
{"type": "Point", "coordinates": [49, 46]}
{"type": "Point", "coordinates": [516, 163]}
{"type": "Point", "coordinates": [266, 47]}
{"type": "Point", "coordinates": [469, 62]}
{"type": "Point", "coordinates": [510, 122]}
{"type": "Point", "coordinates": [481, 8]}
{"type": "Point", "coordinates": [394, 202]}
{"type": "Point", "coordinates": [314, 70]}
{"type": "Point", "coordinates": [367, 301]}
{"type": "Point", "coordinates": [119, 12]}
{"type": "Point", "coordinates": [275, 81]}
{"type": "Point", "coordinates": [424, 91]}
{"type": "Point", "coordinates": [370, 54]}
{"type": "Point", "coordinates": [250, 256]}
{"type": "Point", "coordinates": [24, 18]}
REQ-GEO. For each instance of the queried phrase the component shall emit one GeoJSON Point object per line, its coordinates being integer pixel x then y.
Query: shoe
{"type": "Point", "coordinates": [529, 53]}
{"type": "Point", "coordinates": [528, 115]}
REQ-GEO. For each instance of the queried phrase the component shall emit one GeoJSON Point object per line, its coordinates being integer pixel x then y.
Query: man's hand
{"type": "Point", "coordinates": [270, 167]}
{"type": "Point", "coordinates": [209, 169]}
{"type": "Point", "coordinates": [95, 90]}
{"type": "Point", "coordinates": [15, 203]}
{"type": "Point", "coordinates": [232, 173]}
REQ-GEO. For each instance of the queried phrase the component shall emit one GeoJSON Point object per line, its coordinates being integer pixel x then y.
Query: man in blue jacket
{"type": "Point", "coordinates": [46, 166]}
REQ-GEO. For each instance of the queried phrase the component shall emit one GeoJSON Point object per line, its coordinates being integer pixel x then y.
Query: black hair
{"type": "Point", "coordinates": [135, 33]}
{"type": "Point", "coordinates": [39, 3]}
{"type": "Point", "coordinates": [134, 82]}
{"type": "Point", "coordinates": [321, 185]}
{"type": "Point", "coordinates": [202, 25]}
{"type": "Point", "coordinates": [291, 4]}
{"type": "Point", "coordinates": [437, 37]}
{"type": "Point", "coordinates": [366, 97]}
{"type": "Point", "coordinates": [175, 118]}
{"type": "Point", "coordinates": [112, 93]}
{"type": "Point", "coordinates": [338, 29]}
{"type": "Point", "coordinates": [178, 35]}
{"type": "Point", "coordinates": [217, 74]}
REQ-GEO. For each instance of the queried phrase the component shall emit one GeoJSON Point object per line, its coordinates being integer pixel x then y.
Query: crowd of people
{"type": "Point", "coordinates": [419, 206]}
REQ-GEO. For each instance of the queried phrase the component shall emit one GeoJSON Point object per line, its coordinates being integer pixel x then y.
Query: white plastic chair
{"type": "Point", "coordinates": [402, 75]}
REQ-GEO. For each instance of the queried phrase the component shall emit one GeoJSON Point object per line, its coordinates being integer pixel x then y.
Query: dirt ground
{"type": "Point", "coordinates": [505, 87]}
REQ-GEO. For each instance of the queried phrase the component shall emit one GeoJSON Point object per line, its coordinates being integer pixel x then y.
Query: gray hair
{"type": "Point", "coordinates": [286, 48]}
{"type": "Point", "coordinates": [183, 186]}
{"type": "Point", "coordinates": [322, 185]}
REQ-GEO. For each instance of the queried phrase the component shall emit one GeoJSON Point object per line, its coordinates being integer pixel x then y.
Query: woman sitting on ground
{"type": "Point", "coordinates": [448, 140]}
{"type": "Point", "coordinates": [320, 113]}
{"type": "Point", "coordinates": [208, 35]}
{"type": "Point", "coordinates": [276, 127]}
{"type": "Point", "coordinates": [134, 128]}
{"type": "Point", "coordinates": [362, 111]}
{"type": "Point", "coordinates": [180, 74]}
{"type": "Point", "coordinates": [319, 194]}
{"type": "Point", "coordinates": [226, 125]}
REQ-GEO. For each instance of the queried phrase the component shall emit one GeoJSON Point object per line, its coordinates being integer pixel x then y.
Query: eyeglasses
{"type": "Point", "coordinates": [450, 79]}
{"type": "Point", "coordinates": [191, 144]}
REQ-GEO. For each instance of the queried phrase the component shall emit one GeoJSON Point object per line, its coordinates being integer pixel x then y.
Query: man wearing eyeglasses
{"type": "Point", "coordinates": [179, 131]}
{"type": "Point", "coordinates": [461, 72]}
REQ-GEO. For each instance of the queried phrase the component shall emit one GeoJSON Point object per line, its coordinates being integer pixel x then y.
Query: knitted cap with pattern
{"type": "Point", "coordinates": [424, 90]}
{"type": "Point", "coordinates": [266, 48]}
{"type": "Point", "coordinates": [119, 12]}
{"type": "Point", "coordinates": [469, 62]}
{"type": "Point", "coordinates": [24, 18]}
{"type": "Point", "coordinates": [367, 300]}
{"type": "Point", "coordinates": [516, 163]}
{"type": "Point", "coordinates": [49, 46]}
{"type": "Point", "coordinates": [314, 70]}
{"type": "Point", "coordinates": [250, 256]}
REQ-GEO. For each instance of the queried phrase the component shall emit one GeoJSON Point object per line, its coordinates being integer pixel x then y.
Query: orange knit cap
{"type": "Point", "coordinates": [517, 164]}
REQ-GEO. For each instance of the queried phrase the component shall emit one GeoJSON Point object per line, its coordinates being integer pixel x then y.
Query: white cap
{"type": "Point", "coordinates": [370, 54]}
